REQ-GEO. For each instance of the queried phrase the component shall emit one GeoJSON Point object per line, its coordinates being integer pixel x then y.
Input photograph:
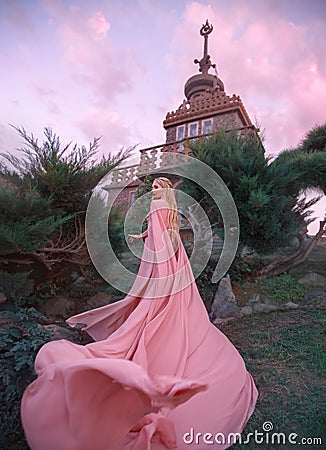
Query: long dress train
{"type": "Point", "coordinates": [159, 375]}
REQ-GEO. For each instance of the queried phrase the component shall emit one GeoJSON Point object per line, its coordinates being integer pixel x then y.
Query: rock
{"type": "Point", "coordinates": [224, 290]}
{"type": "Point", "coordinates": [255, 298]}
{"type": "Point", "coordinates": [98, 300]}
{"type": "Point", "coordinates": [79, 281]}
{"type": "Point", "coordinates": [313, 279]}
{"type": "Point", "coordinates": [289, 305]}
{"type": "Point", "coordinates": [59, 306]}
{"type": "Point", "coordinates": [224, 303]}
{"type": "Point", "coordinates": [316, 298]}
{"type": "Point", "coordinates": [261, 307]}
{"type": "Point", "coordinates": [79, 326]}
{"type": "Point", "coordinates": [219, 321]}
{"type": "Point", "coordinates": [225, 310]}
{"type": "Point", "coordinates": [268, 301]}
{"type": "Point", "coordinates": [247, 251]}
{"type": "Point", "coordinates": [246, 310]}
{"type": "Point", "coordinates": [59, 332]}
{"type": "Point", "coordinates": [63, 331]}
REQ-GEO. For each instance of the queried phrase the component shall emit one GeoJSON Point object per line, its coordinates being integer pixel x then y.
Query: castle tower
{"type": "Point", "coordinates": [207, 108]}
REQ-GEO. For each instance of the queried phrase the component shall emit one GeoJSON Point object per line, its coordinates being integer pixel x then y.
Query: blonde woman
{"type": "Point", "coordinates": [162, 189]}
{"type": "Point", "coordinates": [158, 376]}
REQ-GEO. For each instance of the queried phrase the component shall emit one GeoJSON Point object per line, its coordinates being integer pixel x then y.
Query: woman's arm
{"type": "Point", "coordinates": [143, 235]}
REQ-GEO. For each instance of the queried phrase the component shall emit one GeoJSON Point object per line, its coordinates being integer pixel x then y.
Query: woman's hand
{"type": "Point", "coordinates": [132, 237]}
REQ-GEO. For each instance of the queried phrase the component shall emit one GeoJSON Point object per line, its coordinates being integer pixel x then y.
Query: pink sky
{"type": "Point", "coordinates": [114, 68]}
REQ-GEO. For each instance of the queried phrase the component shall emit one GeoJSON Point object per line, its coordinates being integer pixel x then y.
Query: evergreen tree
{"type": "Point", "coordinates": [269, 212]}
{"type": "Point", "coordinates": [44, 197]}
{"type": "Point", "coordinates": [65, 174]}
{"type": "Point", "coordinates": [27, 220]}
{"type": "Point", "coordinates": [308, 161]}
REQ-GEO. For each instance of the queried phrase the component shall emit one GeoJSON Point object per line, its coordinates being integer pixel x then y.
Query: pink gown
{"type": "Point", "coordinates": [159, 375]}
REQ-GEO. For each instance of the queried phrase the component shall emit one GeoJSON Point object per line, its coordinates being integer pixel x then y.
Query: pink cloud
{"type": "Point", "coordinates": [96, 122]}
{"type": "Point", "coordinates": [99, 24]}
{"type": "Point", "coordinates": [97, 67]}
{"type": "Point", "coordinates": [90, 56]}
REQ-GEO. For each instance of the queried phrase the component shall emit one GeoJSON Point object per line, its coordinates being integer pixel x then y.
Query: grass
{"type": "Point", "coordinates": [283, 288]}
{"type": "Point", "coordinates": [285, 353]}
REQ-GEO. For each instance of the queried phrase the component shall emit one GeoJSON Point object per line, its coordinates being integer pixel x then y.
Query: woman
{"type": "Point", "coordinates": [159, 375]}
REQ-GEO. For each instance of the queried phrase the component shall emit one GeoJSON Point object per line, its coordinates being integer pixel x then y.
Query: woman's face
{"type": "Point", "coordinates": [156, 190]}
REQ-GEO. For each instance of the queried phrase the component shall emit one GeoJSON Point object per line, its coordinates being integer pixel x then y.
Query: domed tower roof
{"type": "Point", "coordinates": [207, 108]}
{"type": "Point", "coordinates": [203, 82]}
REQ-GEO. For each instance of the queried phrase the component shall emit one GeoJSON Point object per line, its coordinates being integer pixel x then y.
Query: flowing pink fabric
{"type": "Point", "coordinates": [158, 374]}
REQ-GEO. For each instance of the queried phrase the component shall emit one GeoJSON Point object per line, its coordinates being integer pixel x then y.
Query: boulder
{"type": "Point", "coordinates": [60, 332]}
{"type": "Point", "coordinates": [316, 298]}
{"type": "Point", "coordinates": [58, 306]}
{"type": "Point", "coordinates": [98, 300]}
{"type": "Point", "coordinates": [314, 279]}
{"type": "Point", "coordinates": [246, 310]}
{"type": "Point", "coordinates": [264, 308]}
{"type": "Point", "coordinates": [220, 321]}
{"type": "Point", "coordinates": [255, 298]}
{"type": "Point", "coordinates": [289, 305]}
{"type": "Point", "coordinates": [63, 331]}
{"type": "Point", "coordinates": [224, 303]}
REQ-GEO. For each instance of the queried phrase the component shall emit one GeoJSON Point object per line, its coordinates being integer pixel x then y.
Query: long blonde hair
{"type": "Point", "coordinates": [173, 219]}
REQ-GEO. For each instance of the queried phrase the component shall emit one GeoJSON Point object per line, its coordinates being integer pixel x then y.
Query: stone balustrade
{"type": "Point", "coordinates": [152, 160]}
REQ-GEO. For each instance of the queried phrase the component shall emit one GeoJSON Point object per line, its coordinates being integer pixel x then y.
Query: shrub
{"type": "Point", "coordinates": [283, 288]}
{"type": "Point", "coordinates": [18, 289]}
{"type": "Point", "coordinates": [21, 336]}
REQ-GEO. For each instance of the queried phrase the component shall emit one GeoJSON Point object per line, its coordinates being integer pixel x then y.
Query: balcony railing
{"type": "Point", "coordinates": [157, 158]}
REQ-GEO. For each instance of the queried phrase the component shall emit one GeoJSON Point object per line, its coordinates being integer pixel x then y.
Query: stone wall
{"type": "Point", "coordinates": [123, 198]}
{"type": "Point", "coordinates": [230, 120]}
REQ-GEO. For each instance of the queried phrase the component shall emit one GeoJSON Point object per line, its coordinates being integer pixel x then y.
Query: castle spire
{"type": "Point", "coordinates": [205, 63]}
{"type": "Point", "coordinates": [203, 82]}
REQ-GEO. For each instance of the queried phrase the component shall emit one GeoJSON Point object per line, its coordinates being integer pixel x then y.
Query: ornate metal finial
{"type": "Point", "coordinates": [205, 62]}
{"type": "Point", "coordinates": [206, 29]}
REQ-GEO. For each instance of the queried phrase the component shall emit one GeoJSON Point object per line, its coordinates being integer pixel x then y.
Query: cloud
{"type": "Point", "coordinates": [48, 97]}
{"type": "Point", "coordinates": [107, 124]}
{"type": "Point", "coordinates": [89, 53]}
{"type": "Point", "coordinates": [99, 25]}
{"type": "Point", "coordinates": [97, 67]}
